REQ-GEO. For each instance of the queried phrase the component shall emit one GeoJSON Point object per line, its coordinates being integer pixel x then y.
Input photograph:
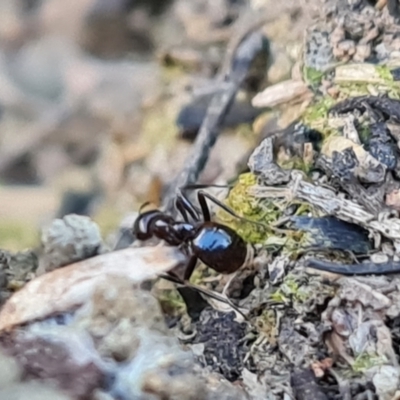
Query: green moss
{"type": "Point", "coordinates": [366, 361]}
{"type": "Point", "coordinates": [317, 110]}
{"type": "Point", "coordinates": [275, 242]}
{"type": "Point", "coordinates": [303, 208]}
{"type": "Point", "coordinates": [393, 87]}
{"type": "Point", "coordinates": [258, 217]}
{"type": "Point", "coordinates": [313, 76]}
{"type": "Point", "coordinates": [200, 273]}
{"type": "Point", "coordinates": [384, 72]}
{"type": "Point", "coordinates": [364, 132]}
{"type": "Point", "coordinates": [249, 209]}
{"type": "Point", "coordinates": [354, 89]}
{"type": "Point", "coordinates": [238, 198]}
{"type": "Point", "coordinates": [384, 85]}
{"type": "Point", "coordinates": [316, 115]}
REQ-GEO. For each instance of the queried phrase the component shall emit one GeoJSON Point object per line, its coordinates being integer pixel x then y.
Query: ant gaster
{"type": "Point", "coordinates": [215, 244]}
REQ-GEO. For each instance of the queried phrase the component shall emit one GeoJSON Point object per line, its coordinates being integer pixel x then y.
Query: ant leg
{"type": "Point", "coordinates": [143, 206]}
{"type": "Point", "coordinates": [204, 291]}
{"type": "Point", "coordinates": [185, 207]}
{"type": "Point", "coordinates": [194, 301]}
{"type": "Point", "coordinates": [191, 265]}
{"type": "Point", "coordinates": [202, 196]}
{"type": "Point", "coordinates": [173, 276]}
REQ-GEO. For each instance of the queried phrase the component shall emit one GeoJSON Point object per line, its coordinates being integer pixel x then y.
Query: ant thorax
{"type": "Point", "coordinates": [184, 230]}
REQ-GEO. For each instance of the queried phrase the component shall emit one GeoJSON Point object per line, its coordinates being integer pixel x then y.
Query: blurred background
{"type": "Point", "coordinates": [99, 101]}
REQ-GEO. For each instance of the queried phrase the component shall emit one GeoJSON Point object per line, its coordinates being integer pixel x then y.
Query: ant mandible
{"type": "Point", "coordinates": [215, 244]}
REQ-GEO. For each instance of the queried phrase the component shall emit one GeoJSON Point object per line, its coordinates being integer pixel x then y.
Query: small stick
{"type": "Point", "coordinates": [232, 77]}
{"type": "Point", "coordinates": [205, 140]}
{"type": "Point", "coordinates": [369, 268]}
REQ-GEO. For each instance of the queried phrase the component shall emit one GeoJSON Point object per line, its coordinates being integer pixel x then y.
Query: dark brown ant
{"type": "Point", "coordinates": [215, 244]}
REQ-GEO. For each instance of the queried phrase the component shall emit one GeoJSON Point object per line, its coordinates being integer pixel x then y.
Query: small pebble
{"type": "Point", "coordinates": [68, 240]}
{"type": "Point", "coordinates": [379, 258]}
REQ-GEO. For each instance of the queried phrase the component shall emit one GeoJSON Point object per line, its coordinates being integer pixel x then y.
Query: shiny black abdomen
{"type": "Point", "coordinates": [219, 247]}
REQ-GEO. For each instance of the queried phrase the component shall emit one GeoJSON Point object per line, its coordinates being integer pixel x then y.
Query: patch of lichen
{"type": "Point", "coordinates": [250, 209]}
{"type": "Point", "coordinates": [303, 293]}
{"type": "Point", "coordinates": [266, 325]}
{"type": "Point", "coordinates": [276, 242]}
{"type": "Point", "coordinates": [291, 290]}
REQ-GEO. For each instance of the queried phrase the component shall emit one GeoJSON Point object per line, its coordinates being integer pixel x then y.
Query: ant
{"type": "Point", "coordinates": [215, 244]}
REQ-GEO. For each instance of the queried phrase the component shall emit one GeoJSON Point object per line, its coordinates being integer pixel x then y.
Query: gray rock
{"type": "Point", "coordinates": [9, 371]}
{"type": "Point", "coordinates": [68, 240]}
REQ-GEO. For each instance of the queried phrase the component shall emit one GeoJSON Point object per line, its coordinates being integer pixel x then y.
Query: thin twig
{"type": "Point", "coordinates": [229, 81]}
{"type": "Point", "coordinates": [205, 140]}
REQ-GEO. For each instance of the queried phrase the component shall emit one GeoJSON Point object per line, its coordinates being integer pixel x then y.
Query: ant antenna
{"type": "Point", "coordinates": [185, 207]}
{"type": "Point", "coordinates": [202, 195]}
{"type": "Point", "coordinates": [143, 206]}
{"type": "Point", "coordinates": [204, 186]}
